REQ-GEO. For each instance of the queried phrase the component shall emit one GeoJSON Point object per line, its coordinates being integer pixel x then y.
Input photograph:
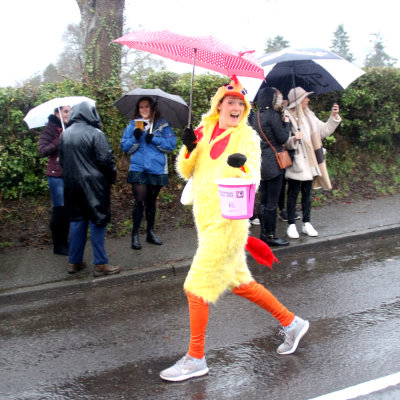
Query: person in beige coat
{"type": "Point", "coordinates": [308, 170]}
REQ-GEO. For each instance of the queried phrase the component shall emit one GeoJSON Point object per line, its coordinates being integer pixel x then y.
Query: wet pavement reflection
{"type": "Point", "coordinates": [111, 342]}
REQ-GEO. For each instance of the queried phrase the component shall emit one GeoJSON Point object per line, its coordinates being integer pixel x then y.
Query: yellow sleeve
{"type": "Point", "coordinates": [185, 162]}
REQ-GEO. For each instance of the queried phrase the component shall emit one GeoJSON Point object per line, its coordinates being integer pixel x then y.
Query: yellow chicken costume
{"type": "Point", "coordinates": [212, 152]}
{"type": "Point", "coordinates": [220, 261]}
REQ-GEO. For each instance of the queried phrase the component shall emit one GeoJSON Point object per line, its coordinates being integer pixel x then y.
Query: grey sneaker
{"type": "Point", "coordinates": [187, 367]}
{"type": "Point", "coordinates": [293, 336]}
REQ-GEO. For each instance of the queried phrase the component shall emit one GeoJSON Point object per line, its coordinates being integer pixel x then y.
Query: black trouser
{"type": "Point", "coordinates": [270, 191]}
{"type": "Point", "coordinates": [294, 187]}
{"type": "Point", "coordinates": [282, 196]}
{"type": "Point", "coordinates": [269, 196]}
{"type": "Point", "coordinates": [145, 199]}
{"type": "Point", "coordinates": [59, 225]}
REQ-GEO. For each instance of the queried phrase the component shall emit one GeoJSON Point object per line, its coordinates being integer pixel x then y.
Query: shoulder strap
{"type": "Point", "coordinates": [265, 136]}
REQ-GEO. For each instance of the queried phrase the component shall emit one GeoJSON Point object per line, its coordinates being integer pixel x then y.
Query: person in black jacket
{"type": "Point", "coordinates": [269, 102]}
{"type": "Point", "coordinates": [89, 171]}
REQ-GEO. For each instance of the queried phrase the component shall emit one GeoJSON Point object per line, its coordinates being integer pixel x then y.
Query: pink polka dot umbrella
{"type": "Point", "coordinates": [204, 51]}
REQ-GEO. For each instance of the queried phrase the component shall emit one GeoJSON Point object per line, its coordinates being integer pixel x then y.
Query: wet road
{"type": "Point", "coordinates": [111, 342]}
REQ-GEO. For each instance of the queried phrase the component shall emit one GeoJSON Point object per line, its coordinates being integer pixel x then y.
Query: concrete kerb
{"type": "Point", "coordinates": [59, 288]}
{"type": "Point", "coordinates": [173, 268]}
{"type": "Point", "coordinates": [337, 239]}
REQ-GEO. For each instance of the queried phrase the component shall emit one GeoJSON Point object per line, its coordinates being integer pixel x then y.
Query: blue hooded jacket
{"type": "Point", "coordinates": [149, 157]}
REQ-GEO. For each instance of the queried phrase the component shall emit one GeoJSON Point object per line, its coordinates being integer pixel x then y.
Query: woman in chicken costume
{"type": "Point", "coordinates": [223, 146]}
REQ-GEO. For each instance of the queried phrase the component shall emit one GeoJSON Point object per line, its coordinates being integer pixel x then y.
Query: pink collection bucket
{"type": "Point", "coordinates": [236, 196]}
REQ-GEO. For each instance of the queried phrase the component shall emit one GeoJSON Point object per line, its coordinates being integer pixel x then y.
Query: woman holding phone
{"type": "Point", "coordinates": [309, 167]}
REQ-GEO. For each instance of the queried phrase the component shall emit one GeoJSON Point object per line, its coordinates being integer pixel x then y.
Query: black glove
{"type": "Point", "coordinates": [149, 137]}
{"type": "Point", "coordinates": [236, 160]}
{"type": "Point", "coordinates": [189, 138]}
{"type": "Point", "coordinates": [137, 133]}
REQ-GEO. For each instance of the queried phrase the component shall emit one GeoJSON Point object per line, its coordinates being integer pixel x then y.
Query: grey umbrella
{"type": "Point", "coordinates": [171, 107]}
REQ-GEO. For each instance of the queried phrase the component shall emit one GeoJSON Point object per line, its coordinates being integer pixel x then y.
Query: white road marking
{"type": "Point", "coordinates": [362, 389]}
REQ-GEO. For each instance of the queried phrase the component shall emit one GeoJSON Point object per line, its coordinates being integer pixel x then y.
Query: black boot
{"type": "Point", "coordinates": [276, 241]}
{"type": "Point", "coordinates": [135, 245]}
{"type": "Point", "coordinates": [150, 217]}
{"type": "Point", "coordinates": [152, 237]}
{"type": "Point", "coordinates": [59, 226]}
{"type": "Point", "coordinates": [137, 215]}
{"type": "Point", "coordinates": [268, 226]}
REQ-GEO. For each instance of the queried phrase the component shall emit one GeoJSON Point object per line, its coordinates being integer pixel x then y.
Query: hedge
{"type": "Point", "coordinates": [369, 108]}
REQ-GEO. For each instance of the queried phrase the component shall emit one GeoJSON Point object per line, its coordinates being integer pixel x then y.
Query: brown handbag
{"type": "Point", "coordinates": [283, 157]}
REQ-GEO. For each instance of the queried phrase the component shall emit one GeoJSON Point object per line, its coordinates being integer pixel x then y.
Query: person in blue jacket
{"type": "Point", "coordinates": [148, 171]}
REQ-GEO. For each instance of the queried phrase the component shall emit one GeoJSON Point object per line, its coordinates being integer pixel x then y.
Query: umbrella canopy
{"type": "Point", "coordinates": [314, 69]}
{"type": "Point", "coordinates": [207, 51]}
{"type": "Point", "coordinates": [172, 107]}
{"type": "Point", "coordinates": [204, 51]}
{"type": "Point", "coordinates": [39, 115]}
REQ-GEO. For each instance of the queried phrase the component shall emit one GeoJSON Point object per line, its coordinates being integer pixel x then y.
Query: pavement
{"type": "Point", "coordinates": [31, 271]}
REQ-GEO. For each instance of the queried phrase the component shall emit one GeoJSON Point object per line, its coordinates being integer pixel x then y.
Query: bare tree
{"type": "Point", "coordinates": [134, 63]}
{"type": "Point", "coordinates": [102, 21]}
{"type": "Point", "coordinates": [70, 63]}
{"type": "Point", "coordinates": [136, 66]}
{"type": "Point", "coordinates": [50, 74]}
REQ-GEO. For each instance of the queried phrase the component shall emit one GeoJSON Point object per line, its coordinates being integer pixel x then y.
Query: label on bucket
{"type": "Point", "coordinates": [236, 197]}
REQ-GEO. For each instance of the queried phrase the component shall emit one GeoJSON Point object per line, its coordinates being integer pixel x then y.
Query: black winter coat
{"type": "Point", "coordinates": [89, 166]}
{"type": "Point", "coordinates": [276, 131]}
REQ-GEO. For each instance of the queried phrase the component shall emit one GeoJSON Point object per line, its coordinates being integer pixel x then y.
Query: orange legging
{"type": "Point", "coordinates": [256, 293]}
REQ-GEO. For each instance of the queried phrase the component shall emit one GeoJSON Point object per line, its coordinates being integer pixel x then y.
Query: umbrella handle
{"type": "Point", "coordinates": [191, 89]}
{"type": "Point", "coordinates": [295, 100]}
{"type": "Point", "coordinates": [61, 119]}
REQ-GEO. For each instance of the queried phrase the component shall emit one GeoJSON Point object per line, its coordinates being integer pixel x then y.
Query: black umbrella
{"type": "Point", "coordinates": [171, 107]}
{"type": "Point", "coordinates": [315, 70]}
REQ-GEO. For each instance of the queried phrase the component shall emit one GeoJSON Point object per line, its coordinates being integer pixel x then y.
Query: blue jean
{"type": "Point", "coordinates": [77, 241]}
{"type": "Point", "coordinates": [56, 186]}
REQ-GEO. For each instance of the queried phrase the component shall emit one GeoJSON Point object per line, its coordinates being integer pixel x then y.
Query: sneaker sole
{"type": "Point", "coordinates": [309, 234]}
{"type": "Point", "coordinates": [184, 377]}
{"type": "Point", "coordinates": [99, 274]}
{"type": "Point", "coordinates": [296, 342]}
{"type": "Point", "coordinates": [76, 269]}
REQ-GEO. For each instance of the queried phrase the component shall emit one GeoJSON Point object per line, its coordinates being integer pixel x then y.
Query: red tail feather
{"type": "Point", "coordinates": [260, 251]}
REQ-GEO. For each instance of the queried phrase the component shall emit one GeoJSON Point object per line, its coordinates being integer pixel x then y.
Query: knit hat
{"type": "Point", "coordinates": [298, 94]}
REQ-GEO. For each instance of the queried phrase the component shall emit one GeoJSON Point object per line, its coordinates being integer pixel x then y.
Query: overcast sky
{"type": "Point", "coordinates": [32, 30]}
